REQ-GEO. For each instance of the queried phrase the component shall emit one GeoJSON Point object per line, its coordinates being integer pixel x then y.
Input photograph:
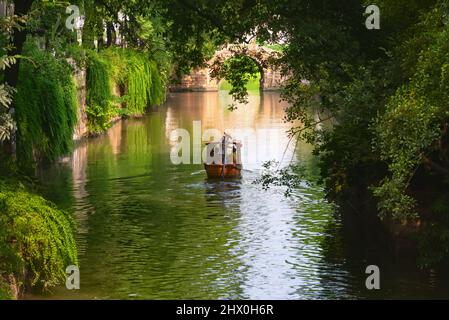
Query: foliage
{"type": "Point", "coordinates": [127, 70]}
{"type": "Point", "coordinates": [238, 71]}
{"type": "Point", "coordinates": [144, 86]}
{"type": "Point", "coordinates": [289, 177]}
{"type": "Point", "coordinates": [7, 123]}
{"type": "Point", "coordinates": [46, 107]}
{"type": "Point", "coordinates": [409, 132]}
{"type": "Point", "coordinates": [98, 81]}
{"type": "Point", "coordinates": [36, 239]}
{"type": "Point", "coordinates": [47, 21]}
{"type": "Point", "coordinates": [100, 109]}
{"type": "Point", "coordinates": [5, 290]}
{"type": "Point", "coordinates": [99, 119]}
{"type": "Point", "coordinates": [7, 62]}
{"type": "Point", "coordinates": [93, 25]}
{"type": "Point", "coordinates": [7, 127]}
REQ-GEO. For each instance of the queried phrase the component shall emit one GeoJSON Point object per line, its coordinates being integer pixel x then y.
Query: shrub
{"type": "Point", "coordinates": [36, 240]}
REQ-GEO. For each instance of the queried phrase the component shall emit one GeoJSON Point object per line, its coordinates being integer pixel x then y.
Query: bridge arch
{"type": "Point", "coordinates": [205, 79]}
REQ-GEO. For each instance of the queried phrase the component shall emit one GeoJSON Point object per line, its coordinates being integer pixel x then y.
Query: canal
{"type": "Point", "coordinates": [149, 229]}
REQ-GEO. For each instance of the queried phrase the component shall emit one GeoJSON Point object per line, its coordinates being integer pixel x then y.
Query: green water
{"type": "Point", "coordinates": [149, 229]}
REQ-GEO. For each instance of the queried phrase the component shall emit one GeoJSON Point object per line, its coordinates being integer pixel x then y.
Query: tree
{"type": "Point", "coordinates": [21, 8]}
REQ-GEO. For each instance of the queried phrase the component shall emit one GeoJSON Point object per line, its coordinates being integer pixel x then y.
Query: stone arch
{"type": "Point", "coordinates": [206, 79]}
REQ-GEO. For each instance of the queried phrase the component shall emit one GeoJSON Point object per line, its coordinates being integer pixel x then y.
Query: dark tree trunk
{"type": "Point", "coordinates": [100, 43]}
{"type": "Point", "coordinates": [110, 34]}
{"type": "Point", "coordinates": [21, 7]}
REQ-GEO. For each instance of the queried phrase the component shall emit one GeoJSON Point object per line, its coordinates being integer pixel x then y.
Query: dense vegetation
{"type": "Point", "coordinates": [387, 92]}
{"type": "Point", "coordinates": [46, 107]}
{"type": "Point", "coordinates": [36, 242]}
{"type": "Point", "coordinates": [120, 82]}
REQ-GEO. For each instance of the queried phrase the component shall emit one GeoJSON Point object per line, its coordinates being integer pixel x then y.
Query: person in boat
{"type": "Point", "coordinates": [224, 141]}
{"type": "Point", "coordinates": [223, 146]}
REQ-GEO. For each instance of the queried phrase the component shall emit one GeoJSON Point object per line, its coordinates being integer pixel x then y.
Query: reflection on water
{"type": "Point", "coordinates": [152, 230]}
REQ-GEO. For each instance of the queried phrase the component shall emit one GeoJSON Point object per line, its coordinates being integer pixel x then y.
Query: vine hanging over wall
{"type": "Point", "coordinates": [46, 107]}
{"type": "Point", "coordinates": [120, 82]}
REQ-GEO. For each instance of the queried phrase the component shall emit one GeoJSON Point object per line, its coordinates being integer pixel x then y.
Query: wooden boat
{"type": "Point", "coordinates": [224, 159]}
{"type": "Point", "coordinates": [218, 171]}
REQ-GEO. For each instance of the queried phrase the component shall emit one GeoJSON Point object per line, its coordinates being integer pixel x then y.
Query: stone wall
{"type": "Point", "coordinates": [79, 77]}
{"type": "Point", "coordinates": [273, 80]}
{"type": "Point", "coordinates": [198, 80]}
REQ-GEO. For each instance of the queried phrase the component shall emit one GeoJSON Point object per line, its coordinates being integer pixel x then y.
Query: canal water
{"type": "Point", "coordinates": [150, 229]}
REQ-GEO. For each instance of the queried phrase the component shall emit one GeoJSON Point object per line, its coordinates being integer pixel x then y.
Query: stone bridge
{"type": "Point", "coordinates": [202, 79]}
